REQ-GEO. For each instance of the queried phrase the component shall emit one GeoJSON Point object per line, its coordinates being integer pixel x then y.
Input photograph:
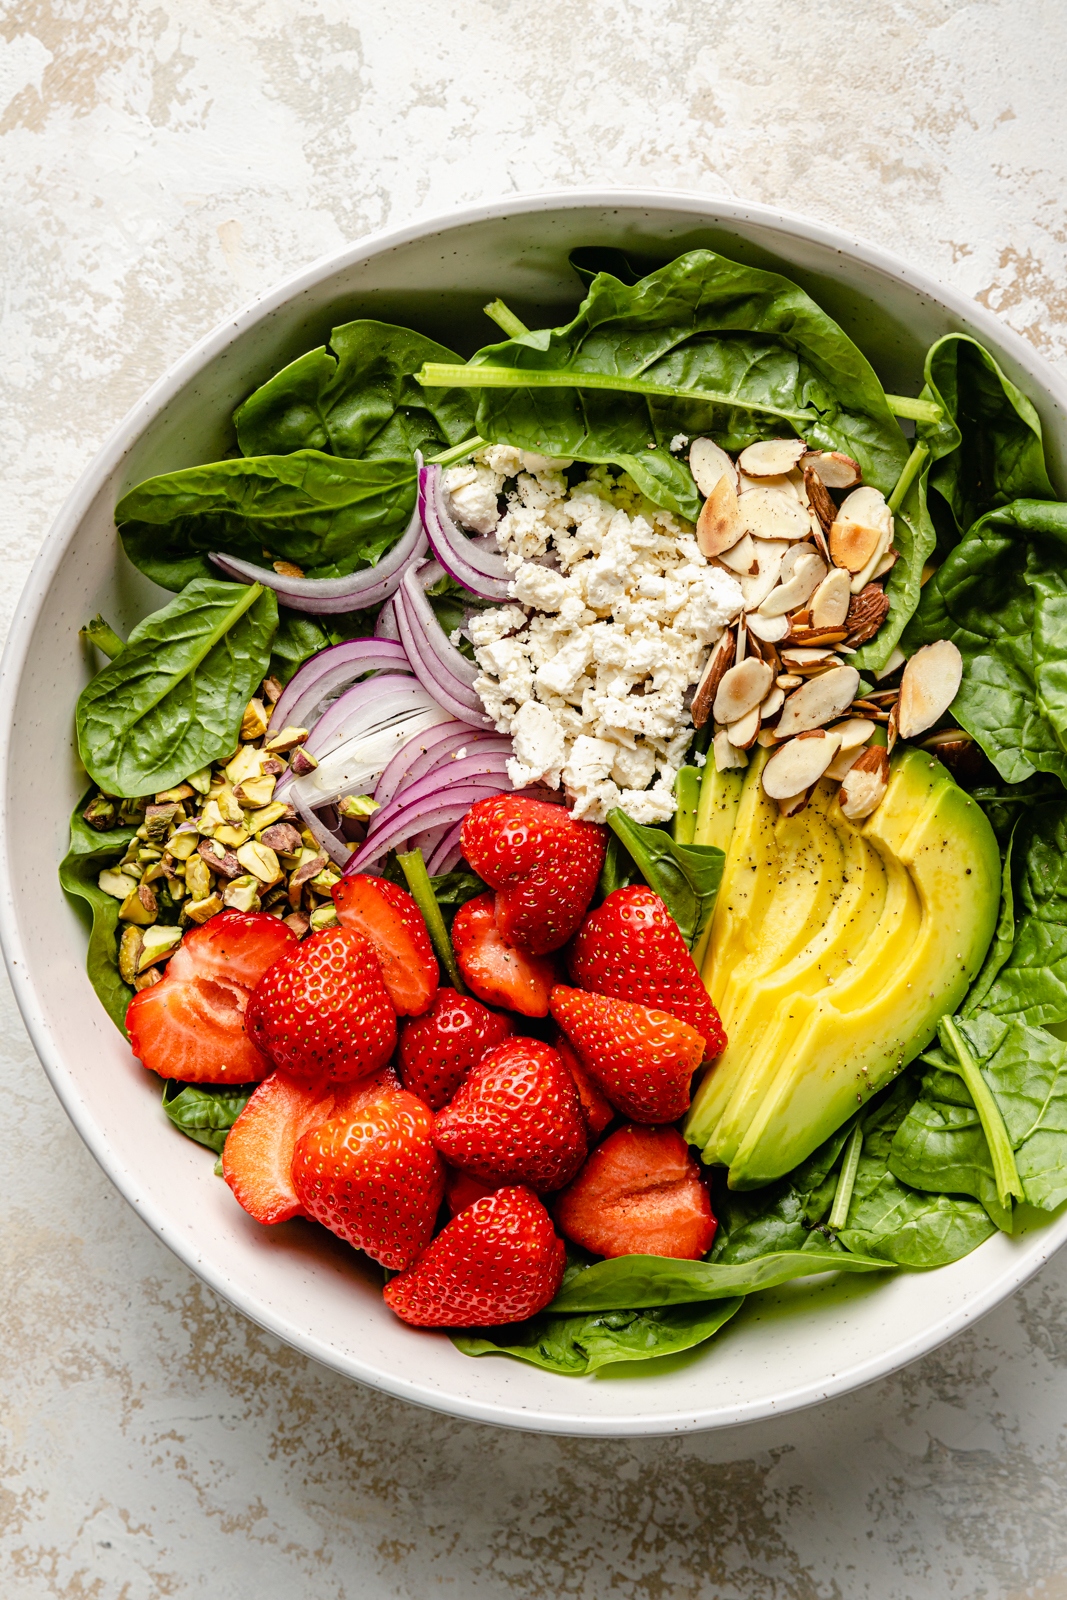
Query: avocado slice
{"type": "Point", "coordinates": [817, 1027]}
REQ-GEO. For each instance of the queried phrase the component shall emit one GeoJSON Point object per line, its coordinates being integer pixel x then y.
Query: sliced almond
{"type": "Point", "coordinates": [772, 630]}
{"type": "Point", "coordinates": [795, 804]}
{"type": "Point", "coordinates": [719, 662]}
{"type": "Point", "coordinates": [886, 563]}
{"type": "Point", "coordinates": [896, 659]}
{"type": "Point", "coordinates": [792, 556]}
{"type": "Point", "coordinates": [930, 683]}
{"type": "Point", "coordinates": [807, 574]}
{"type": "Point", "coordinates": [742, 640]}
{"type": "Point", "coordinates": [726, 756]}
{"type": "Point", "coordinates": [805, 659]}
{"type": "Point", "coordinates": [743, 732]}
{"type": "Point", "coordinates": [773, 704]}
{"type": "Point", "coordinates": [788, 680]}
{"type": "Point", "coordinates": [817, 702]}
{"type": "Point", "coordinates": [741, 557]}
{"type": "Point", "coordinates": [815, 638]}
{"type": "Point", "coordinates": [819, 535]}
{"type": "Point", "coordinates": [855, 732]}
{"type": "Point", "coordinates": [842, 763]}
{"type": "Point", "coordinates": [865, 784]}
{"type": "Point", "coordinates": [769, 457]}
{"type": "Point", "coordinates": [757, 586]}
{"type": "Point", "coordinates": [720, 523]}
{"type": "Point", "coordinates": [741, 690]}
{"type": "Point", "coordinates": [708, 462]}
{"type": "Point", "coordinates": [961, 754]}
{"type": "Point", "coordinates": [866, 613]}
{"type": "Point", "coordinates": [799, 763]}
{"type": "Point", "coordinates": [766, 737]}
{"type": "Point", "coordinates": [837, 471]}
{"type": "Point", "coordinates": [892, 728]}
{"type": "Point", "coordinates": [853, 546]}
{"type": "Point", "coordinates": [770, 513]}
{"type": "Point", "coordinates": [819, 499]}
{"type": "Point", "coordinates": [830, 601]}
{"type": "Point", "coordinates": [863, 578]}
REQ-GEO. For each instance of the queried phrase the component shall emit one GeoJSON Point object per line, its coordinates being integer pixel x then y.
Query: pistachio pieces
{"type": "Point", "coordinates": [928, 687]}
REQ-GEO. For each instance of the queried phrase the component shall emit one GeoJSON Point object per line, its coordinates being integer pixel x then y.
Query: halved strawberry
{"type": "Point", "coordinates": [461, 1190]}
{"type": "Point", "coordinates": [439, 1049]}
{"type": "Point", "coordinates": [499, 973]}
{"type": "Point", "coordinates": [631, 948]}
{"type": "Point", "coordinates": [642, 1058]}
{"type": "Point", "coordinates": [322, 1011]}
{"type": "Point", "coordinates": [498, 1261]}
{"type": "Point", "coordinates": [516, 1118]}
{"type": "Point", "coordinates": [374, 1178]}
{"type": "Point", "coordinates": [544, 864]}
{"type": "Point", "coordinates": [191, 1025]}
{"type": "Point", "coordinates": [257, 1157]}
{"type": "Point", "coordinates": [640, 1193]}
{"type": "Point", "coordinates": [388, 916]}
{"type": "Point", "coordinates": [596, 1109]}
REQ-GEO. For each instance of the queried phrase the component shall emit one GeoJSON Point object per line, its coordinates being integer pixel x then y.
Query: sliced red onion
{"type": "Point", "coordinates": [431, 811]}
{"type": "Point", "coordinates": [336, 848]}
{"type": "Point", "coordinates": [447, 689]}
{"type": "Point", "coordinates": [322, 596]}
{"type": "Point", "coordinates": [471, 770]}
{"type": "Point", "coordinates": [441, 759]}
{"type": "Point", "coordinates": [447, 854]}
{"type": "Point", "coordinates": [385, 627]}
{"type": "Point", "coordinates": [421, 612]}
{"type": "Point", "coordinates": [326, 676]}
{"type": "Point", "coordinates": [443, 738]}
{"type": "Point", "coordinates": [482, 571]}
{"type": "Point", "coordinates": [368, 705]}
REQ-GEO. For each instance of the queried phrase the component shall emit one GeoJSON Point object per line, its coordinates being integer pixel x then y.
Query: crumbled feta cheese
{"type": "Point", "coordinates": [539, 747]}
{"type": "Point", "coordinates": [679, 442]}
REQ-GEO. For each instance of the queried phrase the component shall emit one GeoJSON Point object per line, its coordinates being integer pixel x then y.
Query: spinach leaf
{"type": "Point", "coordinates": [786, 1215]}
{"type": "Point", "coordinates": [701, 346]}
{"type": "Point", "coordinates": [1003, 940]}
{"type": "Point", "coordinates": [1031, 984]}
{"type": "Point", "coordinates": [637, 1281]}
{"type": "Point", "coordinates": [940, 1146]}
{"type": "Point", "coordinates": [356, 396]}
{"type": "Point", "coordinates": [685, 876]}
{"type": "Point", "coordinates": [591, 259]}
{"type": "Point", "coordinates": [618, 871]}
{"type": "Point", "coordinates": [1026, 1069]}
{"type": "Point", "coordinates": [301, 636]}
{"type": "Point", "coordinates": [578, 1345]}
{"type": "Point", "coordinates": [327, 514]}
{"type": "Point", "coordinates": [207, 1113]}
{"type": "Point", "coordinates": [894, 1222]}
{"type": "Point", "coordinates": [172, 701]}
{"type": "Point", "coordinates": [1001, 596]}
{"type": "Point", "coordinates": [90, 851]}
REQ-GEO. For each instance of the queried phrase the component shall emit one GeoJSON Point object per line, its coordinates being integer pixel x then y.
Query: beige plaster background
{"type": "Point", "coordinates": [160, 161]}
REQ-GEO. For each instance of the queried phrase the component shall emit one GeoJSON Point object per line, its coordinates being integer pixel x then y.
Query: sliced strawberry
{"type": "Point", "coordinates": [516, 1118]}
{"type": "Point", "coordinates": [596, 1109]}
{"type": "Point", "coordinates": [374, 1178]}
{"type": "Point", "coordinates": [544, 864]}
{"type": "Point", "coordinates": [642, 1058]}
{"type": "Point", "coordinates": [191, 1025]}
{"type": "Point", "coordinates": [439, 1049]}
{"type": "Point", "coordinates": [498, 1261]}
{"type": "Point", "coordinates": [349, 1098]}
{"type": "Point", "coordinates": [499, 973]}
{"type": "Point", "coordinates": [322, 1011]}
{"type": "Point", "coordinates": [639, 1194]}
{"type": "Point", "coordinates": [257, 1157]}
{"type": "Point", "coordinates": [631, 948]}
{"type": "Point", "coordinates": [461, 1190]}
{"type": "Point", "coordinates": [388, 916]}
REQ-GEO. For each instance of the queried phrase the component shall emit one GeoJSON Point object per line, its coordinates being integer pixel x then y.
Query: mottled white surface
{"type": "Point", "coordinates": [159, 162]}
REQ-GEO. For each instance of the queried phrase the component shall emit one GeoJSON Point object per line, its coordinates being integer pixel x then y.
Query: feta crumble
{"type": "Point", "coordinates": [592, 671]}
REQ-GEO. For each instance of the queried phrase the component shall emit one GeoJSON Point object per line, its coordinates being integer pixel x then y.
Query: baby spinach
{"type": "Point", "coordinates": [90, 851]}
{"type": "Point", "coordinates": [356, 396]}
{"type": "Point", "coordinates": [172, 701]}
{"type": "Point", "coordinates": [205, 1113]}
{"type": "Point", "coordinates": [1030, 984]}
{"type": "Point", "coordinates": [578, 1345]}
{"type": "Point", "coordinates": [785, 1216]}
{"type": "Point", "coordinates": [685, 876]}
{"type": "Point", "coordinates": [628, 1281]}
{"type": "Point", "coordinates": [327, 514]}
{"type": "Point", "coordinates": [940, 1146]}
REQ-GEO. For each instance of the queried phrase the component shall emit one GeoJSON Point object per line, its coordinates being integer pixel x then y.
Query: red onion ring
{"type": "Point", "coordinates": [421, 612]}
{"type": "Point", "coordinates": [470, 772]}
{"type": "Point", "coordinates": [326, 676]}
{"type": "Point", "coordinates": [447, 690]}
{"type": "Point", "coordinates": [482, 571]}
{"type": "Point", "coordinates": [446, 736]}
{"type": "Point", "coordinates": [415, 819]}
{"type": "Point", "coordinates": [385, 627]}
{"type": "Point", "coordinates": [447, 852]}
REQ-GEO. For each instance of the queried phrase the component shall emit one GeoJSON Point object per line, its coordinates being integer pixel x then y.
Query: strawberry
{"type": "Point", "coordinates": [498, 1261]}
{"type": "Point", "coordinates": [640, 1193]}
{"type": "Point", "coordinates": [461, 1190]}
{"type": "Point", "coordinates": [516, 1118]}
{"type": "Point", "coordinates": [596, 1110]}
{"type": "Point", "coordinates": [438, 1050]}
{"type": "Point", "coordinates": [544, 864]}
{"type": "Point", "coordinates": [191, 1025]}
{"type": "Point", "coordinates": [372, 1177]}
{"type": "Point", "coordinates": [642, 1058]}
{"type": "Point", "coordinates": [322, 1010]}
{"type": "Point", "coordinates": [631, 948]}
{"type": "Point", "coordinates": [388, 916]}
{"type": "Point", "coordinates": [499, 973]}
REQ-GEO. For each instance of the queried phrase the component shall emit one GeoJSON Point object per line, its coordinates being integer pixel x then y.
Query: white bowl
{"type": "Point", "coordinates": [782, 1352]}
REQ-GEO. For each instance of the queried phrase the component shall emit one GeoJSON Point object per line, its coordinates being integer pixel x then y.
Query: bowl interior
{"type": "Point", "coordinates": [784, 1350]}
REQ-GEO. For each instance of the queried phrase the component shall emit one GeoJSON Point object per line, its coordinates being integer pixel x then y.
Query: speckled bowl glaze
{"type": "Point", "coordinates": [785, 1350]}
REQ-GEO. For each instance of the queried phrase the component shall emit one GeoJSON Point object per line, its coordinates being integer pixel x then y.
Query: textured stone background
{"type": "Point", "coordinates": [160, 163]}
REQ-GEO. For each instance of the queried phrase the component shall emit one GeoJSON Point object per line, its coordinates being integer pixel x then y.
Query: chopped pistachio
{"type": "Point", "coordinates": [130, 952]}
{"type": "Point", "coordinates": [177, 890]}
{"type": "Point", "coordinates": [139, 906]}
{"type": "Point", "coordinates": [198, 879]}
{"type": "Point", "coordinates": [229, 806]}
{"type": "Point", "coordinates": [149, 853]}
{"type": "Point", "coordinates": [219, 859]}
{"type": "Point", "coordinates": [153, 872]}
{"type": "Point", "coordinates": [200, 781]}
{"type": "Point", "coordinates": [210, 819]}
{"type": "Point", "coordinates": [145, 980]}
{"type": "Point", "coordinates": [116, 883]}
{"type": "Point", "coordinates": [358, 805]}
{"type": "Point", "coordinates": [287, 739]}
{"type": "Point", "coordinates": [158, 820]}
{"type": "Point", "coordinates": [271, 691]}
{"type": "Point", "coordinates": [298, 922]}
{"type": "Point", "coordinates": [283, 837]}
{"type": "Point", "coordinates": [254, 721]}
{"type": "Point", "coordinates": [159, 943]}
{"type": "Point", "coordinates": [260, 821]}
{"type": "Point", "coordinates": [231, 836]}
{"type": "Point", "coordinates": [131, 811]}
{"type": "Point", "coordinates": [245, 764]}
{"type": "Point", "coordinates": [260, 861]}
{"type": "Point", "coordinates": [323, 881]}
{"type": "Point", "coordinates": [323, 917]}
{"type": "Point", "coordinates": [255, 791]}
{"type": "Point", "coordinates": [184, 791]}
{"type": "Point", "coordinates": [202, 910]}
{"type": "Point", "coordinates": [183, 844]}
{"type": "Point", "coordinates": [275, 765]}
{"type": "Point", "coordinates": [100, 813]}
{"type": "Point", "coordinates": [242, 894]}
{"type": "Point", "coordinates": [302, 763]}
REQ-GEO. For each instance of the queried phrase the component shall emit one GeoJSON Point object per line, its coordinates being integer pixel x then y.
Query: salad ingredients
{"type": "Point", "coordinates": [387, 915]}
{"type": "Point", "coordinates": [597, 1110]}
{"type": "Point", "coordinates": [498, 1261]}
{"type": "Point", "coordinates": [639, 1193]}
{"type": "Point", "coordinates": [322, 1012]}
{"type": "Point", "coordinates": [642, 1058]}
{"type": "Point", "coordinates": [498, 972]}
{"type": "Point", "coordinates": [516, 1118]}
{"type": "Point", "coordinates": [685, 876]}
{"type": "Point", "coordinates": [438, 1050]}
{"type": "Point", "coordinates": [191, 1024]}
{"type": "Point", "coordinates": [543, 864]}
{"type": "Point", "coordinates": [204, 1115]}
{"type": "Point", "coordinates": [94, 848]}
{"type": "Point", "coordinates": [576, 1346]}
{"type": "Point", "coordinates": [257, 1158]}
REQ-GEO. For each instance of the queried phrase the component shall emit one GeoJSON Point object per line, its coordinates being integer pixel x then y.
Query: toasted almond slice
{"type": "Point", "coordinates": [741, 557]}
{"type": "Point", "coordinates": [855, 732]}
{"type": "Point", "coordinates": [842, 763]}
{"type": "Point", "coordinates": [766, 737]}
{"type": "Point", "coordinates": [799, 763]}
{"type": "Point", "coordinates": [961, 754]}
{"type": "Point", "coordinates": [798, 658]}
{"type": "Point", "coordinates": [819, 500]}
{"type": "Point", "coordinates": [815, 638]}
{"type": "Point", "coordinates": [808, 573]}
{"type": "Point", "coordinates": [771, 513]}
{"type": "Point", "coordinates": [708, 462]}
{"type": "Point", "coordinates": [795, 804]}
{"type": "Point", "coordinates": [930, 683]}
{"type": "Point", "coordinates": [818, 701]}
{"type": "Point", "coordinates": [788, 680]}
{"type": "Point", "coordinates": [886, 563]}
{"type": "Point", "coordinates": [769, 458]}
{"type": "Point", "coordinates": [865, 784]}
{"type": "Point", "coordinates": [726, 756]}
{"type": "Point", "coordinates": [741, 689]}
{"type": "Point", "coordinates": [897, 659]}
{"type": "Point", "coordinates": [852, 546]}
{"type": "Point", "coordinates": [863, 578]}
{"type": "Point", "coordinates": [742, 640]}
{"type": "Point", "coordinates": [892, 730]}
{"type": "Point", "coordinates": [720, 523]}
{"type": "Point", "coordinates": [866, 613]}
{"type": "Point", "coordinates": [772, 630]}
{"type": "Point", "coordinates": [792, 556]}
{"type": "Point", "coordinates": [837, 471]}
{"type": "Point", "coordinates": [719, 662]}
{"type": "Point", "coordinates": [743, 732]}
{"type": "Point", "coordinates": [830, 601]}
{"type": "Point", "coordinates": [773, 704]}
{"type": "Point", "coordinates": [757, 586]}
{"type": "Point", "coordinates": [819, 536]}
